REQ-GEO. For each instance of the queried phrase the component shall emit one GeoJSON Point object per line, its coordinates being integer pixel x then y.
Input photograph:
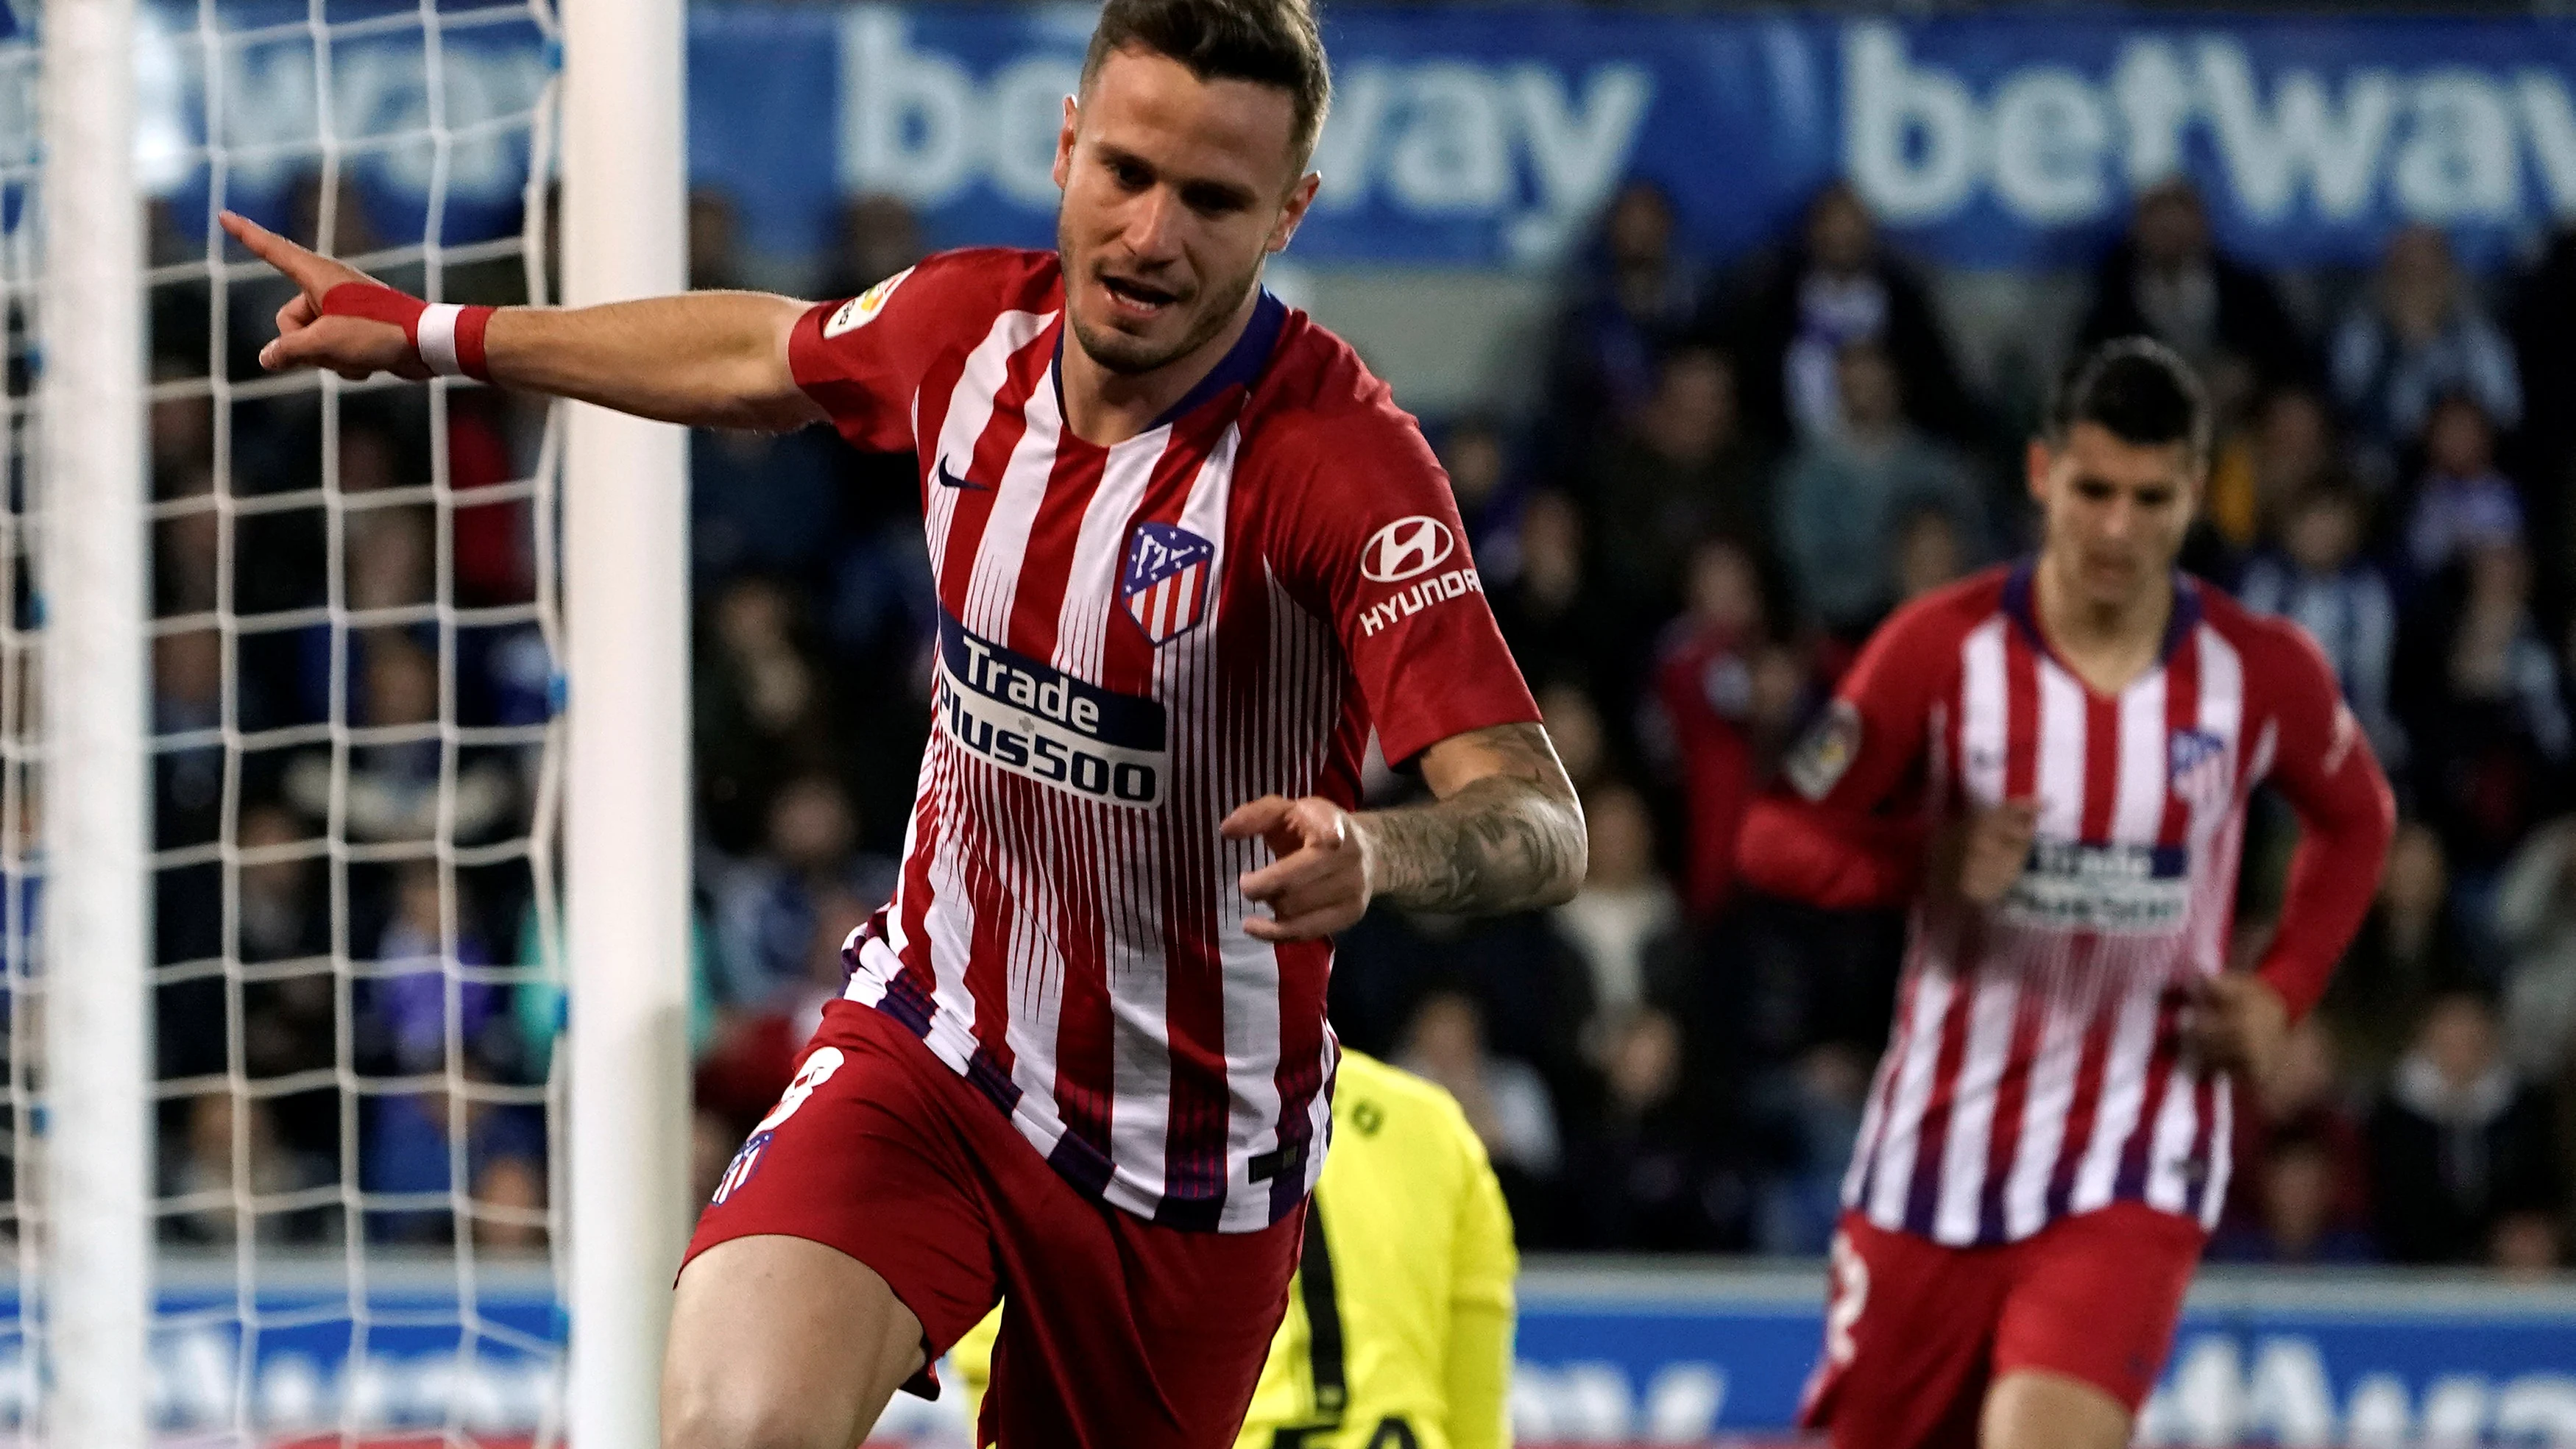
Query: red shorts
{"type": "Point", "coordinates": [1914, 1331]}
{"type": "Point", "coordinates": [1120, 1332]}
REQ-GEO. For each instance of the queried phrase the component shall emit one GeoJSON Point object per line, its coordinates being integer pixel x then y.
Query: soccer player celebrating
{"type": "Point", "coordinates": [2052, 761]}
{"type": "Point", "coordinates": [1399, 1326]}
{"type": "Point", "coordinates": [1188, 555]}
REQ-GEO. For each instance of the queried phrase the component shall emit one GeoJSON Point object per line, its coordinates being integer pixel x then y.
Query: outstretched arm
{"type": "Point", "coordinates": [706, 359]}
{"type": "Point", "coordinates": [1504, 833]}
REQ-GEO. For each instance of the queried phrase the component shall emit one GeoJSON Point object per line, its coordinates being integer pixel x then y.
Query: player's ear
{"type": "Point", "coordinates": [2036, 463]}
{"type": "Point", "coordinates": [1300, 197]}
{"type": "Point", "coordinates": [1064, 141]}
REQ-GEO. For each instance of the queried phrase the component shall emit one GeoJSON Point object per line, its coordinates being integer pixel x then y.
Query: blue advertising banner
{"type": "Point", "coordinates": [1473, 138]}
{"type": "Point", "coordinates": [1467, 137]}
{"type": "Point", "coordinates": [1636, 1354]}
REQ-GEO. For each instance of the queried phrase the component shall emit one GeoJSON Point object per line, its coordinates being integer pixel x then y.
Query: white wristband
{"type": "Point", "coordinates": [437, 338]}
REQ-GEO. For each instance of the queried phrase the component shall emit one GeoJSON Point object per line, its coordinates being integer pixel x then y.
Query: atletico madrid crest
{"type": "Point", "coordinates": [1165, 582]}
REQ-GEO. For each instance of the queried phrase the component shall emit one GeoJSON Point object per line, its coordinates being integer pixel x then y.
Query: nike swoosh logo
{"type": "Point", "coordinates": [947, 479]}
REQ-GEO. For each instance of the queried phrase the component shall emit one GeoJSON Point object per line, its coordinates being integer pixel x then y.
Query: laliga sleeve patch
{"type": "Point", "coordinates": [1825, 752]}
{"type": "Point", "coordinates": [862, 309]}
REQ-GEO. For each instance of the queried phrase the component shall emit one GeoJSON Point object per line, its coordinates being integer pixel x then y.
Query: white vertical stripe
{"type": "Point", "coordinates": [1895, 1168]}
{"type": "Point", "coordinates": [2124, 1090]}
{"type": "Point", "coordinates": [1983, 695]}
{"type": "Point", "coordinates": [1091, 589]}
{"type": "Point", "coordinates": [970, 411]}
{"type": "Point", "coordinates": [2061, 753]}
{"type": "Point", "coordinates": [1004, 547]}
{"type": "Point", "coordinates": [2169, 1150]}
{"type": "Point", "coordinates": [1963, 1155]}
{"type": "Point", "coordinates": [2043, 1116]}
{"type": "Point", "coordinates": [2145, 753]}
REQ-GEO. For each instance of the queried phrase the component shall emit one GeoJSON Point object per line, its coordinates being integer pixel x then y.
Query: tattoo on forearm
{"type": "Point", "coordinates": [1504, 842]}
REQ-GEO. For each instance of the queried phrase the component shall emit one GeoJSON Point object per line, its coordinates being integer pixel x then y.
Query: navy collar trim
{"type": "Point", "coordinates": [2020, 602]}
{"type": "Point", "coordinates": [1242, 364]}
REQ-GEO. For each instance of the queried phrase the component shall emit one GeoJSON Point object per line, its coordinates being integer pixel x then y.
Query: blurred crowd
{"type": "Point", "coordinates": [1732, 475]}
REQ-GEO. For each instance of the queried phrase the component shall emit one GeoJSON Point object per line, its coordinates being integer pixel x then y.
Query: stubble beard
{"type": "Point", "coordinates": [1130, 356]}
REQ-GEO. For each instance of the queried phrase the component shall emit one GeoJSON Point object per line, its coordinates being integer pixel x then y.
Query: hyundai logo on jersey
{"type": "Point", "coordinates": [1032, 719]}
{"type": "Point", "coordinates": [1165, 582]}
{"type": "Point", "coordinates": [1405, 548]}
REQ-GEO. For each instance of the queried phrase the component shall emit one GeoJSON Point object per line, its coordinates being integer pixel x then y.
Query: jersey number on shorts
{"type": "Point", "coordinates": [1851, 1293]}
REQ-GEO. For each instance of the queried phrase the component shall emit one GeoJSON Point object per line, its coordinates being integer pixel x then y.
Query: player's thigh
{"type": "Point", "coordinates": [1908, 1329]}
{"type": "Point", "coordinates": [782, 1343]}
{"type": "Point", "coordinates": [2095, 1303]}
{"type": "Point", "coordinates": [2042, 1409]}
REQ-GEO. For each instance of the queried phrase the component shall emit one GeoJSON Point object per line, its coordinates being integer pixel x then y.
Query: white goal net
{"type": "Point", "coordinates": [355, 747]}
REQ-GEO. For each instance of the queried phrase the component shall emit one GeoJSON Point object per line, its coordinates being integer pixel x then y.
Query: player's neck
{"type": "Point", "coordinates": [2108, 645]}
{"type": "Point", "coordinates": [1106, 408]}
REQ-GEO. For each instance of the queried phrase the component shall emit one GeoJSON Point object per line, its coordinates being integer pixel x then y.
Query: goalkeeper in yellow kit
{"type": "Point", "coordinates": [1399, 1326]}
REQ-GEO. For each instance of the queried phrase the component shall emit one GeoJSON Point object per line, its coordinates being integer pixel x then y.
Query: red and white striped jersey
{"type": "Point", "coordinates": [2035, 1067]}
{"type": "Point", "coordinates": [1133, 641]}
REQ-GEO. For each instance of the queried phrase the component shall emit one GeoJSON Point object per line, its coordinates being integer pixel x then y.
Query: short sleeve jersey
{"type": "Point", "coordinates": [1132, 641]}
{"type": "Point", "coordinates": [2036, 1066]}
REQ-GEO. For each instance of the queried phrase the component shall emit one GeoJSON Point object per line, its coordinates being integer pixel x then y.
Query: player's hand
{"type": "Point", "coordinates": [2238, 1023]}
{"type": "Point", "coordinates": [354, 347]}
{"type": "Point", "coordinates": [1978, 859]}
{"type": "Point", "coordinates": [1319, 884]}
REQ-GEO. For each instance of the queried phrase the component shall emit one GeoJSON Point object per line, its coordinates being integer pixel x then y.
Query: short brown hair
{"type": "Point", "coordinates": [1266, 42]}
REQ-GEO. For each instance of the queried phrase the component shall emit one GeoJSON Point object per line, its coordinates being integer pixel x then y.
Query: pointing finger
{"type": "Point", "coordinates": [1258, 817]}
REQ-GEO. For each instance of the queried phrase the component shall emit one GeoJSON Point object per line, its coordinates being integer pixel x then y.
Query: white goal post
{"type": "Point", "coordinates": [83, 1097]}
{"type": "Point", "coordinates": [94, 1116]}
{"type": "Point", "coordinates": [627, 617]}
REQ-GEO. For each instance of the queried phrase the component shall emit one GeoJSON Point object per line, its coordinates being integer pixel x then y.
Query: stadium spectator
{"type": "Point", "coordinates": [1624, 924]}
{"type": "Point", "coordinates": [2490, 726]}
{"type": "Point", "coordinates": [289, 1021]}
{"type": "Point", "coordinates": [1837, 285]}
{"type": "Point", "coordinates": [2167, 280]}
{"type": "Point", "coordinates": [2301, 1102]}
{"type": "Point", "coordinates": [2319, 579]}
{"type": "Point", "coordinates": [228, 1170]}
{"type": "Point", "coordinates": [767, 906]}
{"type": "Point", "coordinates": [391, 788]}
{"type": "Point", "coordinates": [1679, 472]}
{"type": "Point", "coordinates": [1631, 297]}
{"type": "Point", "coordinates": [1649, 1172]}
{"type": "Point", "coordinates": [1574, 722]}
{"type": "Point", "coordinates": [405, 1148]}
{"type": "Point", "coordinates": [1702, 702]}
{"type": "Point", "coordinates": [1815, 1115]}
{"type": "Point", "coordinates": [1549, 614]}
{"type": "Point", "coordinates": [1489, 497]}
{"type": "Point", "coordinates": [2461, 501]}
{"type": "Point", "coordinates": [1505, 1099]}
{"type": "Point", "coordinates": [2412, 940]}
{"type": "Point", "coordinates": [2295, 1222]}
{"type": "Point", "coordinates": [2415, 336]}
{"type": "Point", "coordinates": [1932, 549]}
{"type": "Point", "coordinates": [2287, 448]}
{"type": "Point", "coordinates": [417, 986]}
{"type": "Point", "coordinates": [762, 717]}
{"type": "Point", "coordinates": [877, 236]}
{"type": "Point", "coordinates": [1844, 492]}
{"type": "Point", "coordinates": [2464, 1152]}
{"type": "Point", "coordinates": [2535, 914]}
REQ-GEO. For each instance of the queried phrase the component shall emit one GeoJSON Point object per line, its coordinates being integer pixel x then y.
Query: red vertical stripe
{"type": "Point", "coordinates": [2182, 712]}
{"type": "Point", "coordinates": [1021, 378]}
